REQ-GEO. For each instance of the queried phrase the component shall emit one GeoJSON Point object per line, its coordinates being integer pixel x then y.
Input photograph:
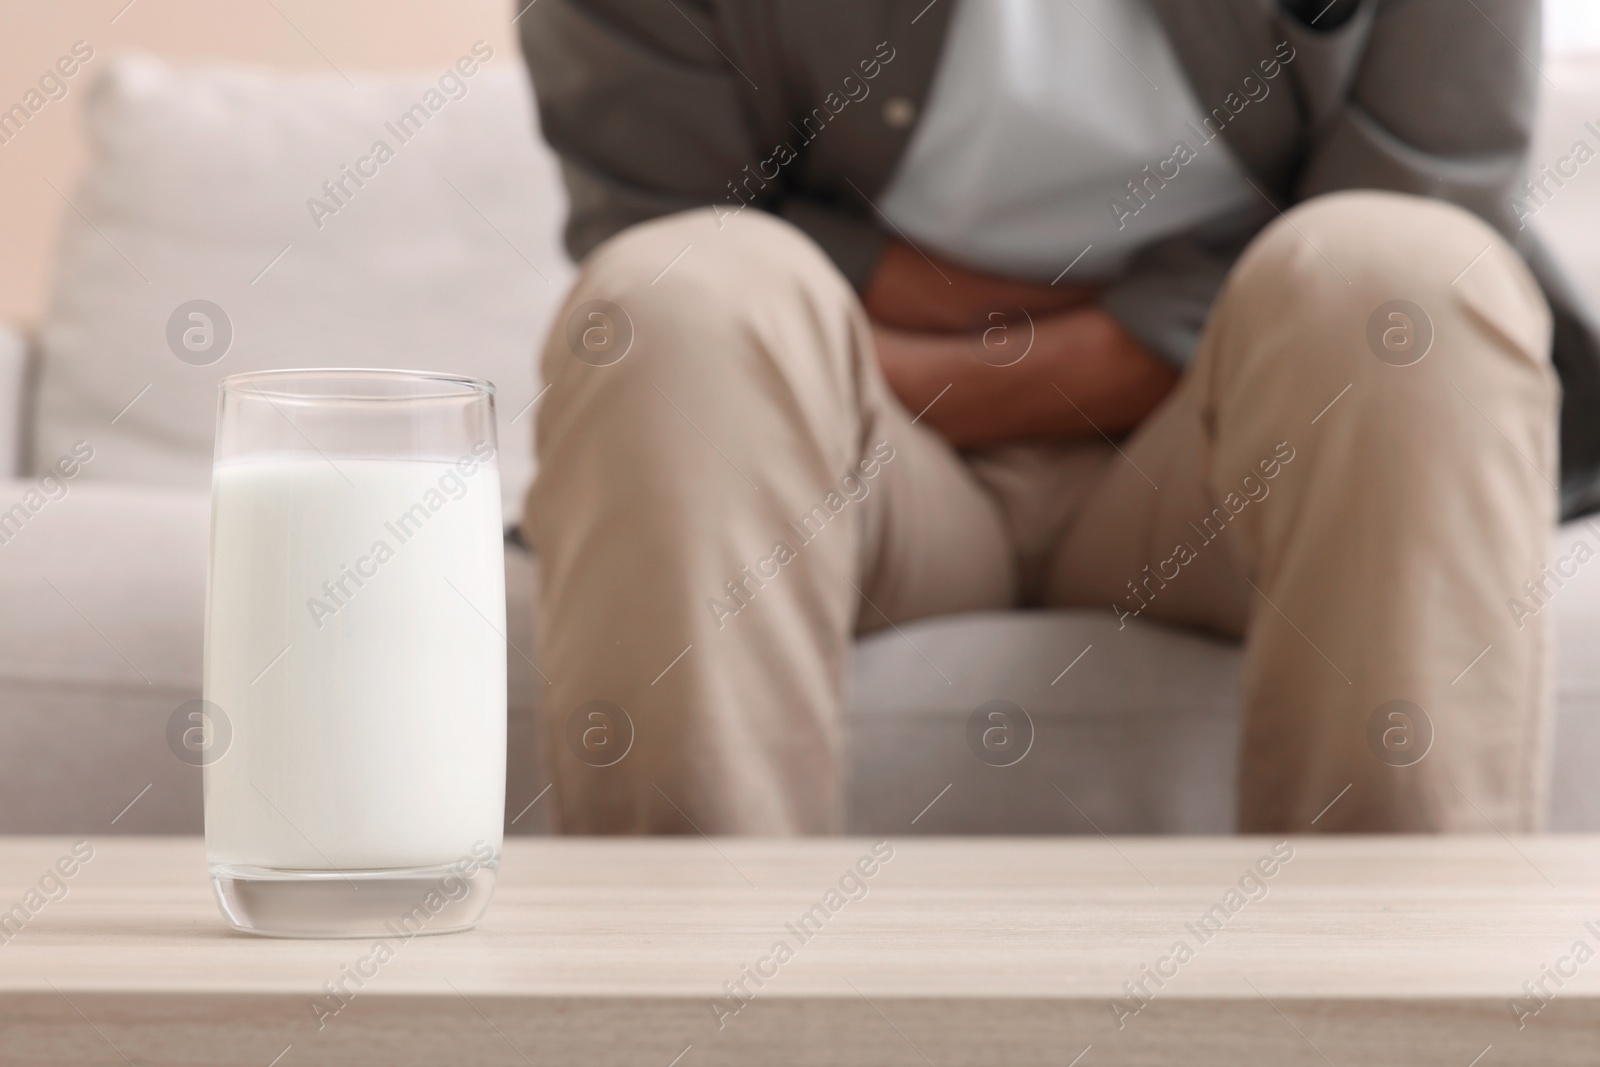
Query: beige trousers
{"type": "Point", "coordinates": [728, 493]}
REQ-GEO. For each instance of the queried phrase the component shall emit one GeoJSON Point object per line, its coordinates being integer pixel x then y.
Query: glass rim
{"type": "Point", "coordinates": [455, 386]}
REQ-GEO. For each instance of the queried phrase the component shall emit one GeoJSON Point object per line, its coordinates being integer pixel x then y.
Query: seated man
{"type": "Point", "coordinates": [1200, 312]}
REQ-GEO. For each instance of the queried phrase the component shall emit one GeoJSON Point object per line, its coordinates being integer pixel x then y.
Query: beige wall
{"type": "Point", "coordinates": [353, 35]}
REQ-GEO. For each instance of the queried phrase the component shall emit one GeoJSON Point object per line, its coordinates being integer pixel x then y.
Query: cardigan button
{"type": "Point", "coordinates": [898, 112]}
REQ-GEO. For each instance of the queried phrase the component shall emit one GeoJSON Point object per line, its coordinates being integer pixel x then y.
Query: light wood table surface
{"type": "Point", "coordinates": [1362, 951]}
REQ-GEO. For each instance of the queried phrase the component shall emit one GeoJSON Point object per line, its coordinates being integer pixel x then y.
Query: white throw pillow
{"type": "Point", "coordinates": [208, 184]}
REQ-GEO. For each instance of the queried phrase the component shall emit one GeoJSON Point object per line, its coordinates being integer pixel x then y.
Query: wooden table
{"type": "Point", "coordinates": [961, 951]}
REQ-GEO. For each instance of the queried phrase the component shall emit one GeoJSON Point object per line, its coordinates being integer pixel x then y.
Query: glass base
{"type": "Point", "coordinates": [402, 902]}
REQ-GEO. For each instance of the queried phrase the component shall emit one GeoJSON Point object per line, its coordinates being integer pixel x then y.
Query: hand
{"type": "Point", "coordinates": [928, 294]}
{"type": "Point", "coordinates": [1083, 375]}
{"type": "Point", "coordinates": [934, 324]}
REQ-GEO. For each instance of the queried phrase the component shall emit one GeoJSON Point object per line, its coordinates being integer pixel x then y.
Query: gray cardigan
{"type": "Point", "coordinates": [804, 107]}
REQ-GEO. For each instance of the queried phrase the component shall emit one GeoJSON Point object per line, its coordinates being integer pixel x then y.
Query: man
{"type": "Point", "coordinates": [896, 309]}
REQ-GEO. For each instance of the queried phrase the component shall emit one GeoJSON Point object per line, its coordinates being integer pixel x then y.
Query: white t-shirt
{"type": "Point", "coordinates": [1040, 114]}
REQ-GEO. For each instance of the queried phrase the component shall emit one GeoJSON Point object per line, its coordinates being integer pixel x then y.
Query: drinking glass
{"type": "Point", "coordinates": [355, 660]}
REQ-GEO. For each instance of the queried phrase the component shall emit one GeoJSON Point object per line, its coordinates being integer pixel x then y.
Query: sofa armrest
{"type": "Point", "coordinates": [13, 390]}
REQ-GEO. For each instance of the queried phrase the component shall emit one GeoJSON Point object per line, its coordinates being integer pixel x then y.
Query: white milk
{"type": "Point", "coordinates": [378, 740]}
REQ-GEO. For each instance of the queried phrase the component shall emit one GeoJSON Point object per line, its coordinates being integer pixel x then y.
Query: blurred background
{"type": "Point", "coordinates": [179, 166]}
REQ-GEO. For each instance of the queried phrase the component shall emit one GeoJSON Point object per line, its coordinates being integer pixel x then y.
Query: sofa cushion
{"type": "Point", "coordinates": [1115, 745]}
{"type": "Point", "coordinates": [446, 258]}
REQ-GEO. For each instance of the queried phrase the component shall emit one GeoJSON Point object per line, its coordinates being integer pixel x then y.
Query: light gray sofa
{"type": "Point", "coordinates": [102, 589]}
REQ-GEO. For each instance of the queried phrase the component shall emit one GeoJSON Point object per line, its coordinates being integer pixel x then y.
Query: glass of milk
{"type": "Point", "coordinates": [355, 660]}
